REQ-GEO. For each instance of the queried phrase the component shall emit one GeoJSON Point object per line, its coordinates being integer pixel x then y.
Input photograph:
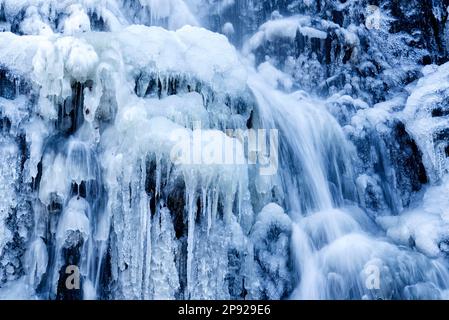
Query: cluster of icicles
{"type": "Point", "coordinates": [109, 200]}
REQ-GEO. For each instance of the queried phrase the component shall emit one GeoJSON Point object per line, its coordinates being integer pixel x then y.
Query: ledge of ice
{"type": "Point", "coordinates": [426, 116]}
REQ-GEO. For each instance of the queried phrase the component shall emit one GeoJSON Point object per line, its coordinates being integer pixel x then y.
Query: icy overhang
{"type": "Point", "coordinates": [192, 51]}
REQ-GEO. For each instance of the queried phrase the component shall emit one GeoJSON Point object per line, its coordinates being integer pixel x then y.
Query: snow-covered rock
{"type": "Point", "coordinates": [295, 155]}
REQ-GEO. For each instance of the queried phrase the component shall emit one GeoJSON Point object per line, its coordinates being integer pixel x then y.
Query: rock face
{"type": "Point", "coordinates": [130, 169]}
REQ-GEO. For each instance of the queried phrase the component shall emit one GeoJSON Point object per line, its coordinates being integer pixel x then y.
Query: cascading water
{"type": "Point", "coordinates": [333, 245]}
{"type": "Point", "coordinates": [128, 164]}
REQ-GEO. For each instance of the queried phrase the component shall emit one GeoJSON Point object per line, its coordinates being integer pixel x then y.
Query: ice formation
{"type": "Point", "coordinates": [125, 139]}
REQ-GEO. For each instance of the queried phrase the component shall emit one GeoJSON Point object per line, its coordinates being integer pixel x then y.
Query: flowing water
{"type": "Point", "coordinates": [107, 198]}
{"type": "Point", "coordinates": [336, 248]}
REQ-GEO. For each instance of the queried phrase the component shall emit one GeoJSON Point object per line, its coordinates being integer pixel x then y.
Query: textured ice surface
{"type": "Point", "coordinates": [424, 227]}
{"type": "Point", "coordinates": [8, 175]}
{"type": "Point", "coordinates": [124, 146]}
{"type": "Point", "coordinates": [426, 115]}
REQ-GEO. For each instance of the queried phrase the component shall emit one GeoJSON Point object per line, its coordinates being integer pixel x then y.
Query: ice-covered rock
{"type": "Point", "coordinates": [74, 221]}
{"type": "Point", "coordinates": [271, 237]}
{"type": "Point", "coordinates": [424, 227]}
{"type": "Point", "coordinates": [125, 135]}
{"type": "Point", "coordinates": [427, 118]}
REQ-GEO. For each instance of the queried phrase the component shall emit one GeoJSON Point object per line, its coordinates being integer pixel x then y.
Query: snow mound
{"type": "Point", "coordinates": [74, 16]}
{"type": "Point", "coordinates": [74, 220]}
{"type": "Point", "coordinates": [425, 227]}
{"type": "Point", "coordinates": [197, 52]}
{"type": "Point", "coordinates": [427, 119]}
{"type": "Point", "coordinates": [53, 62]}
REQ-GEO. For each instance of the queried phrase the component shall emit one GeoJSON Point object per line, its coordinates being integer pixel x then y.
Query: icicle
{"type": "Point", "coordinates": [165, 278]}
{"type": "Point", "coordinates": [215, 197]}
{"type": "Point", "coordinates": [36, 262]}
{"type": "Point", "coordinates": [191, 185]}
{"type": "Point", "coordinates": [203, 201]}
{"type": "Point", "coordinates": [158, 176]}
{"type": "Point", "coordinates": [145, 227]}
{"type": "Point", "coordinates": [208, 208]}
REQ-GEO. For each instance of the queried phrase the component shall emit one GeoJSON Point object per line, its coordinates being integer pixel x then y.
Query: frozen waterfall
{"type": "Point", "coordinates": [147, 156]}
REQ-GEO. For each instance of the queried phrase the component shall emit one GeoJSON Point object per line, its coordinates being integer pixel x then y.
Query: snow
{"type": "Point", "coordinates": [36, 133]}
{"type": "Point", "coordinates": [17, 290]}
{"type": "Point", "coordinates": [426, 96]}
{"type": "Point", "coordinates": [54, 166]}
{"type": "Point", "coordinates": [117, 151]}
{"type": "Point", "coordinates": [15, 110]}
{"type": "Point", "coordinates": [326, 226]}
{"type": "Point", "coordinates": [312, 33]}
{"type": "Point", "coordinates": [351, 255]}
{"type": "Point", "coordinates": [176, 11]}
{"type": "Point", "coordinates": [115, 13]}
{"type": "Point", "coordinates": [64, 57]}
{"type": "Point", "coordinates": [426, 92]}
{"type": "Point", "coordinates": [271, 215]}
{"type": "Point", "coordinates": [198, 153]}
{"type": "Point", "coordinates": [77, 20]}
{"type": "Point", "coordinates": [228, 29]}
{"type": "Point", "coordinates": [16, 52]}
{"type": "Point", "coordinates": [164, 273]}
{"type": "Point", "coordinates": [57, 61]}
{"type": "Point", "coordinates": [89, 291]}
{"type": "Point", "coordinates": [172, 131]}
{"type": "Point", "coordinates": [426, 226]}
{"type": "Point", "coordinates": [274, 76]}
{"type": "Point", "coordinates": [284, 28]}
{"type": "Point", "coordinates": [8, 177]}
{"type": "Point", "coordinates": [270, 235]}
{"type": "Point", "coordinates": [34, 25]}
{"type": "Point", "coordinates": [37, 262]}
{"type": "Point", "coordinates": [375, 117]}
{"type": "Point", "coordinates": [194, 51]}
{"type": "Point", "coordinates": [183, 109]}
